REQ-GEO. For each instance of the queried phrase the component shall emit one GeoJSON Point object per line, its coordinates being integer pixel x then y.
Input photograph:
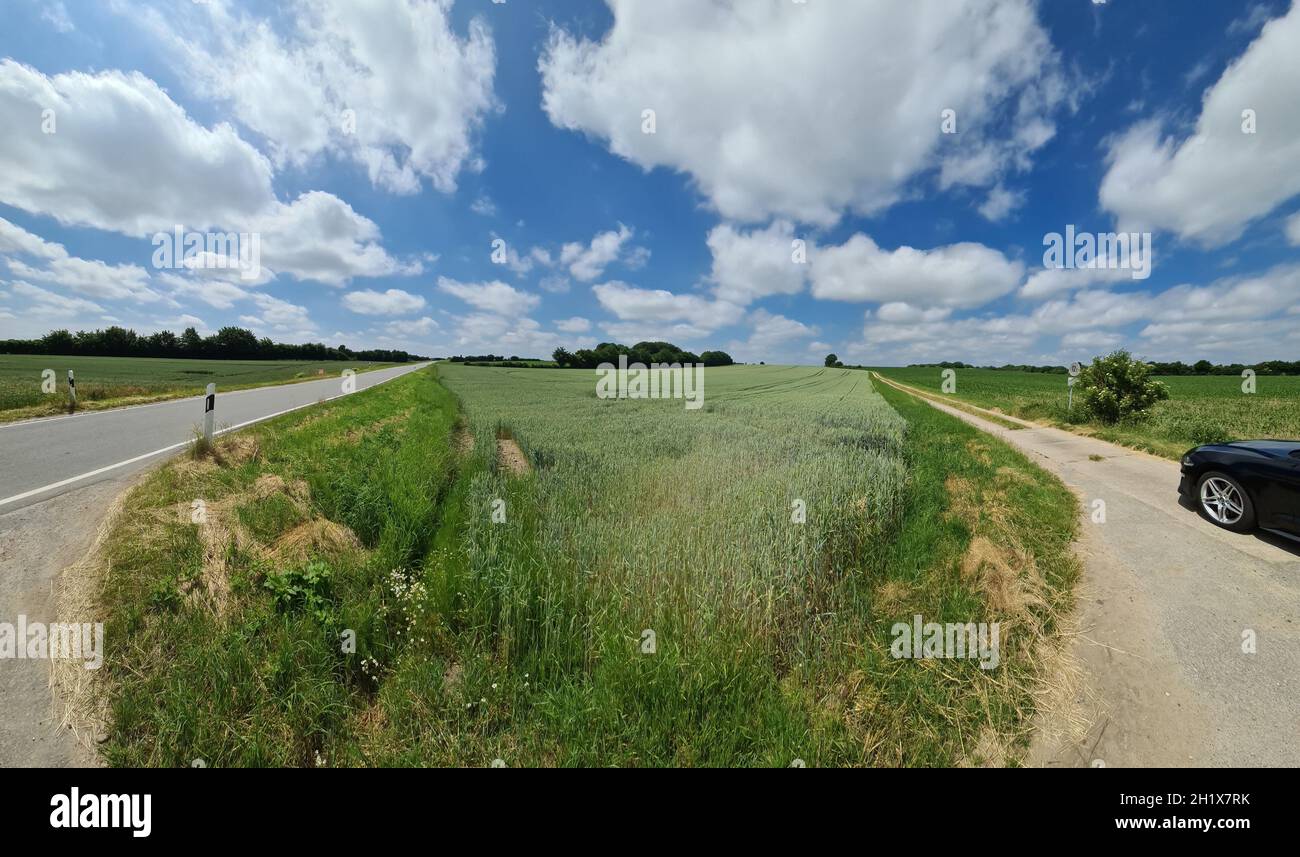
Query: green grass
{"type": "Point", "coordinates": [105, 382]}
{"type": "Point", "coordinates": [522, 639]}
{"type": "Point", "coordinates": [225, 644]}
{"type": "Point", "coordinates": [1200, 409]}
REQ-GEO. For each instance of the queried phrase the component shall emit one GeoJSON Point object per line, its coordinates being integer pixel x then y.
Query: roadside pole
{"type": "Point", "coordinates": [72, 392]}
{"type": "Point", "coordinates": [209, 413]}
{"type": "Point", "coordinates": [1075, 369]}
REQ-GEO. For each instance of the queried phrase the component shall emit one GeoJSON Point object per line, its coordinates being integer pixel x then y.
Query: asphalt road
{"type": "Point", "coordinates": [1164, 605]}
{"type": "Point", "coordinates": [58, 479]}
{"type": "Point", "coordinates": [40, 459]}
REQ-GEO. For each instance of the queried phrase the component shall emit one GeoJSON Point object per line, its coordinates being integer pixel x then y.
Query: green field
{"type": "Point", "coordinates": [1200, 408]}
{"type": "Point", "coordinates": [640, 592]}
{"type": "Point", "coordinates": [105, 382]}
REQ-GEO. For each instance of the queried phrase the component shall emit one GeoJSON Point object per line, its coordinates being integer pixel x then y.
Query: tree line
{"type": "Point", "coordinates": [228, 343]}
{"type": "Point", "coordinates": [643, 352]}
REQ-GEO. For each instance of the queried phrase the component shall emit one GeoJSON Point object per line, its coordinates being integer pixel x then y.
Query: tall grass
{"type": "Point", "coordinates": [650, 597]}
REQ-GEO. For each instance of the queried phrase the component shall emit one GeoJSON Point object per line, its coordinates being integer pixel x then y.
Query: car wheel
{"type": "Point", "coordinates": [1226, 503]}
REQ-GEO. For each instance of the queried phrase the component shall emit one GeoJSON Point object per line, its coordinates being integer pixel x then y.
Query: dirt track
{"type": "Point", "coordinates": [1163, 604]}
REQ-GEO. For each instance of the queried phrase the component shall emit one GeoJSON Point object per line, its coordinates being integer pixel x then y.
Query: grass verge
{"type": "Point", "coordinates": [521, 637]}
{"type": "Point", "coordinates": [234, 581]}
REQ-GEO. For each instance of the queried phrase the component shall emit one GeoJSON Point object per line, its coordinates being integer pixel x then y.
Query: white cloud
{"type": "Point", "coordinates": [182, 321]}
{"type": "Point", "coordinates": [214, 292]}
{"type": "Point", "coordinates": [770, 332]}
{"type": "Point", "coordinates": [126, 158]}
{"type": "Point", "coordinates": [391, 302]}
{"type": "Point", "coordinates": [493, 297]}
{"type": "Point", "coordinates": [577, 324]}
{"type": "Point", "coordinates": [483, 206]}
{"type": "Point", "coordinates": [47, 303]}
{"type": "Point", "coordinates": [286, 320]}
{"type": "Point", "coordinates": [1293, 229]}
{"type": "Point", "coordinates": [1000, 203]}
{"type": "Point", "coordinates": [479, 333]}
{"type": "Point", "coordinates": [898, 312]}
{"type": "Point", "coordinates": [643, 306]}
{"type": "Point", "coordinates": [414, 327]}
{"type": "Point", "coordinates": [90, 277]}
{"type": "Point", "coordinates": [1234, 317]}
{"type": "Point", "coordinates": [751, 265]}
{"type": "Point", "coordinates": [1050, 281]}
{"type": "Point", "coordinates": [1092, 342]}
{"type": "Point", "coordinates": [1210, 186]}
{"type": "Point", "coordinates": [587, 262]}
{"type": "Point", "coordinates": [556, 285]}
{"type": "Point", "coordinates": [957, 275]}
{"type": "Point", "coordinates": [739, 92]}
{"type": "Point", "coordinates": [56, 15]}
{"type": "Point", "coordinates": [319, 237]}
{"type": "Point", "coordinates": [417, 91]}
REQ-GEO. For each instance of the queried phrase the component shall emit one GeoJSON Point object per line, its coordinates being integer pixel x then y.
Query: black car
{"type": "Point", "coordinates": [1246, 484]}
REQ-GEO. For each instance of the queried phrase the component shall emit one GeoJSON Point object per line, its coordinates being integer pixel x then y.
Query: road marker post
{"type": "Point", "coordinates": [72, 392]}
{"type": "Point", "coordinates": [1075, 369]}
{"type": "Point", "coordinates": [209, 413]}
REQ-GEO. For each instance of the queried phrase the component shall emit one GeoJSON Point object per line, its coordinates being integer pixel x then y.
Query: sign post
{"type": "Point", "coordinates": [1075, 369]}
{"type": "Point", "coordinates": [209, 415]}
{"type": "Point", "coordinates": [72, 392]}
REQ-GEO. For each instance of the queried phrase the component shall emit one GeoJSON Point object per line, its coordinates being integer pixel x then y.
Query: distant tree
{"type": "Point", "coordinates": [562, 357]}
{"type": "Point", "coordinates": [832, 360]}
{"type": "Point", "coordinates": [57, 342]}
{"type": "Point", "coordinates": [191, 343]}
{"type": "Point", "coordinates": [1203, 367]}
{"type": "Point", "coordinates": [716, 358]}
{"type": "Point", "coordinates": [1118, 387]}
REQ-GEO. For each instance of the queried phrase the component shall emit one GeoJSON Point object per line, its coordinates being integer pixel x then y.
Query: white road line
{"type": "Point", "coordinates": [93, 473]}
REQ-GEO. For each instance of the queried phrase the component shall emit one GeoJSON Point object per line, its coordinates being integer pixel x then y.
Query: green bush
{"type": "Point", "coordinates": [1117, 387]}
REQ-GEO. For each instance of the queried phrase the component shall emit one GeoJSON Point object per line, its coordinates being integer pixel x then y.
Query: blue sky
{"type": "Point", "coordinates": [799, 193]}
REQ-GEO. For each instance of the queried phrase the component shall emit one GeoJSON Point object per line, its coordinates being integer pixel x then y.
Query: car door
{"type": "Point", "coordinates": [1290, 512]}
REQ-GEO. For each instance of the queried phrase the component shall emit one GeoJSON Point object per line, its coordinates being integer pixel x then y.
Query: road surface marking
{"type": "Point", "coordinates": [61, 483]}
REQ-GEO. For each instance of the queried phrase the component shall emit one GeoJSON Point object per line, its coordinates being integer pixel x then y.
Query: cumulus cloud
{"type": "Point", "coordinates": [44, 302]}
{"type": "Point", "coordinates": [53, 265]}
{"type": "Point", "coordinates": [493, 297]}
{"type": "Point", "coordinates": [751, 265]}
{"type": "Point", "coordinates": [1209, 186]}
{"type": "Point", "coordinates": [577, 324]}
{"type": "Point", "coordinates": [586, 262]}
{"type": "Point", "coordinates": [1293, 229]}
{"type": "Point", "coordinates": [770, 332]}
{"type": "Point", "coordinates": [1230, 316]}
{"type": "Point", "coordinates": [285, 320]}
{"type": "Point", "coordinates": [739, 91]}
{"type": "Point", "coordinates": [387, 83]}
{"type": "Point", "coordinates": [957, 275]}
{"type": "Point", "coordinates": [642, 306]}
{"type": "Point", "coordinates": [126, 158]}
{"type": "Point", "coordinates": [390, 302]}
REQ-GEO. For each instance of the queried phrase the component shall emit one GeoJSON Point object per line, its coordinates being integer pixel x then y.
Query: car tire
{"type": "Point", "coordinates": [1223, 502]}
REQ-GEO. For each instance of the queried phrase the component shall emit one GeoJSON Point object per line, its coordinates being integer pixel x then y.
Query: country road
{"type": "Point", "coordinates": [58, 477]}
{"type": "Point", "coordinates": [1165, 602]}
{"type": "Point", "coordinates": [42, 458]}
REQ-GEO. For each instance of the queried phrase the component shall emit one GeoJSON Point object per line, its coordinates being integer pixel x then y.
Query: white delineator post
{"type": "Point", "coordinates": [1075, 369]}
{"type": "Point", "coordinates": [209, 413]}
{"type": "Point", "coordinates": [72, 391]}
